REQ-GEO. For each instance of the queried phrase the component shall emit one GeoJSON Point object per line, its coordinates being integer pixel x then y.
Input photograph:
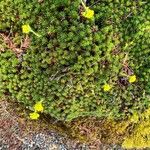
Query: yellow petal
{"type": "Point", "coordinates": [38, 107]}
{"type": "Point", "coordinates": [26, 28]}
{"type": "Point", "coordinates": [106, 87]}
{"type": "Point", "coordinates": [132, 78]}
{"type": "Point", "coordinates": [34, 116]}
{"type": "Point", "coordinates": [88, 13]}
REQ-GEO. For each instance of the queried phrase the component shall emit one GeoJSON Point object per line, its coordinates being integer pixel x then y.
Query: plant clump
{"type": "Point", "coordinates": [77, 66]}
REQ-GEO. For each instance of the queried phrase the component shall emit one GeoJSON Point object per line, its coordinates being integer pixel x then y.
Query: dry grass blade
{"type": "Point", "coordinates": [8, 41]}
{"type": "Point", "coordinates": [25, 43]}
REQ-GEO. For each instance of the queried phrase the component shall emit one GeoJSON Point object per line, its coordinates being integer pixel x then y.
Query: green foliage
{"type": "Point", "coordinates": [68, 66]}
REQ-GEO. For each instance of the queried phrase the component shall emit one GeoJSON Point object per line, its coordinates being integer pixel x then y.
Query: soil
{"type": "Point", "coordinates": [18, 132]}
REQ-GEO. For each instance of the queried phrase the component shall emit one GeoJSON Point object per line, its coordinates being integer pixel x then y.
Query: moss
{"type": "Point", "coordinates": [140, 137]}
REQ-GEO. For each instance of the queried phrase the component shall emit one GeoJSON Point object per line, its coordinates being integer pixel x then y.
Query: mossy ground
{"type": "Point", "coordinates": [92, 131]}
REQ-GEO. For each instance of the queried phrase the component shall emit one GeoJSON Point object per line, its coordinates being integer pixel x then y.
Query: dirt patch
{"type": "Point", "coordinates": [18, 132]}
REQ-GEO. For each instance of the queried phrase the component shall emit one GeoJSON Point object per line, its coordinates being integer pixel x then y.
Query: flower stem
{"type": "Point", "coordinates": [83, 4]}
{"type": "Point", "coordinates": [35, 33]}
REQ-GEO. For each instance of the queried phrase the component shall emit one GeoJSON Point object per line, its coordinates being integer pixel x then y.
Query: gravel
{"type": "Point", "coordinates": [20, 135]}
{"type": "Point", "coordinates": [17, 133]}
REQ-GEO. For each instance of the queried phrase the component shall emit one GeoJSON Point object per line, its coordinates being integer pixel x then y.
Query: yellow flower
{"type": "Point", "coordinates": [26, 28]}
{"type": "Point", "coordinates": [34, 115]}
{"type": "Point", "coordinates": [88, 13]}
{"type": "Point", "coordinates": [132, 78]}
{"type": "Point", "coordinates": [106, 87]}
{"type": "Point", "coordinates": [38, 107]}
